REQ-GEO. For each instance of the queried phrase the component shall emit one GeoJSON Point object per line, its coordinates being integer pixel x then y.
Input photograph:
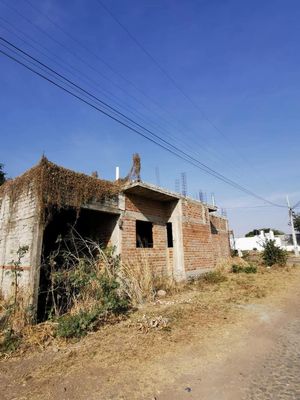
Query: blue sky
{"type": "Point", "coordinates": [237, 60]}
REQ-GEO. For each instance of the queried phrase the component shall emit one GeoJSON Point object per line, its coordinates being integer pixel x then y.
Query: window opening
{"type": "Point", "coordinates": [144, 235]}
{"type": "Point", "coordinates": [169, 234]}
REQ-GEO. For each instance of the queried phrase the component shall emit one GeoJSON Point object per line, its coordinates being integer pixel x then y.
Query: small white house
{"type": "Point", "coordinates": [256, 242]}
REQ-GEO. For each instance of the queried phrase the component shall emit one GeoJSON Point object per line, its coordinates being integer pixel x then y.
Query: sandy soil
{"type": "Point", "coordinates": [217, 338]}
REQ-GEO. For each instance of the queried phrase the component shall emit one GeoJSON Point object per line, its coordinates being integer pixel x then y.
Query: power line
{"type": "Point", "coordinates": [296, 205]}
{"type": "Point", "coordinates": [202, 145]}
{"type": "Point", "coordinates": [174, 150]}
{"type": "Point", "coordinates": [192, 161]}
{"type": "Point", "coordinates": [256, 206]}
{"type": "Point", "coordinates": [69, 82]}
{"type": "Point", "coordinates": [190, 148]}
{"type": "Point", "coordinates": [171, 79]}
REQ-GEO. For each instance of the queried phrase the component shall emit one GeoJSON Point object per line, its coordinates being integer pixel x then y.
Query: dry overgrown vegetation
{"type": "Point", "coordinates": [158, 343]}
{"type": "Point", "coordinates": [110, 289]}
{"type": "Point", "coordinates": [59, 187]}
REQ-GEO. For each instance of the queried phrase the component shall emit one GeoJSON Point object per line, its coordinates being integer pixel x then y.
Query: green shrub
{"type": "Point", "coordinates": [249, 269]}
{"type": "Point", "coordinates": [236, 269]}
{"type": "Point", "coordinates": [111, 302]}
{"type": "Point", "coordinates": [112, 299]}
{"type": "Point", "coordinates": [213, 277]}
{"type": "Point", "coordinates": [78, 325]}
{"type": "Point", "coordinates": [273, 254]}
{"type": "Point", "coordinates": [10, 342]}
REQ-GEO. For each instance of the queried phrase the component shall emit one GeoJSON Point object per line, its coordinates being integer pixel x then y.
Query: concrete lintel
{"type": "Point", "coordinates": [142, 217]}
{"type": "Point", "coordinates": [102, 208]}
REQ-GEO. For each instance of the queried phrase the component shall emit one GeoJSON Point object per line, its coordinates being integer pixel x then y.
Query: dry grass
{"type": "Point", "coordinates": [225, 264]}
{"type": "Point", "coordinates": [140, 284]}
{"type": "Point", "coordinates": [180, 317]}
{"type": "Point", "coordinates": [197, 316]}
{"type": "Point", "coordinates": [137, 280]}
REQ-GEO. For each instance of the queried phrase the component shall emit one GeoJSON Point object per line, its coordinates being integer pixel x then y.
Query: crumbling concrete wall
{"type": "Point", "coordinates": [19, 226]}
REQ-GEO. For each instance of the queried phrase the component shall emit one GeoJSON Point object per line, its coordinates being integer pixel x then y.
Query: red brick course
{"type": "Point", "coordinates": [201, 247]}
{"type": "Point", "coordinates": [158, 256]}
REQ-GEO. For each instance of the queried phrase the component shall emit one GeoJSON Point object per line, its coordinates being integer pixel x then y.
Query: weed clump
{"type": "Point", "coordinates": [10, 341]}
{"type": "Point", "coordinates": [248, 269]}
{"type": "Point", "coordinates": [213, 277]}
{"type": "Point", "coordinates": [272, 254]}
{"type": "Point", "coordinates": [78, 325]}
{"type": "Point", "coordinates": [84, 286]}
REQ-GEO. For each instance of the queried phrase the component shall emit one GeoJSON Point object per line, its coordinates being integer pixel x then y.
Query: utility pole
{"type": "Point", "coordinates": [296, 251]}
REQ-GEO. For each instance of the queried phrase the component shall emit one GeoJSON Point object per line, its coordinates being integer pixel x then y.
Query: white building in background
{"type": "Point", "coordinates": [256, 242]}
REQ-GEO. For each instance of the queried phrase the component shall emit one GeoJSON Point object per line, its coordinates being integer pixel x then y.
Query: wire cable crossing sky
{"type": "Point", "coordinates": [202, 166]}
{"type": "Point", "coordinates": [214, 84]}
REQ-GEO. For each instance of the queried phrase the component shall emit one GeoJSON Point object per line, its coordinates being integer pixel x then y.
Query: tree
{"type": "Point", "coordinates": [2, 174]}
{"type": "Point", "coordinates": [297, 222]}
{"type": "Point", "coordinates": [273, 254]}
{"type": "Point", "coordinates": [266, 230]}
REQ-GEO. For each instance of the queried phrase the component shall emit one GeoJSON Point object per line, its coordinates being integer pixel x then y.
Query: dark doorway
{"type": "Point", "coordinates": [90, 224]}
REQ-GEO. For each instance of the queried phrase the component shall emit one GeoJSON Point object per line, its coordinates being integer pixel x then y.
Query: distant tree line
{"type": "Point", "coordinates": [256, 232]}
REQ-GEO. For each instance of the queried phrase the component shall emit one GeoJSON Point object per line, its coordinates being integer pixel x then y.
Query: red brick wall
{"type": "Point", "coordinates": [197, 243]}
{"type": "Point", "coordinates": [201, 248]}
{"type": "Point", "coordinates": [159, 256]}
{"type": "Point", "coordinates": [221, 240]}
{"type": "Point", "coordinates": [148, 207]}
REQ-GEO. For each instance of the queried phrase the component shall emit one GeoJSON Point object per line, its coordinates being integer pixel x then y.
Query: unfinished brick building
{"type": "Point", "coordinates": [179, 236]}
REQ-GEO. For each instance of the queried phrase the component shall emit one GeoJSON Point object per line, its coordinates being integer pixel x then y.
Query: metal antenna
{"type": "Point", "coordinates": [201, 196]}
{"type": "Point", "coordinates": [177, 185]}
{"type": "Point", "coordinates": [213, 202]}
{"type": "Point", "coordinates": [183, 184]}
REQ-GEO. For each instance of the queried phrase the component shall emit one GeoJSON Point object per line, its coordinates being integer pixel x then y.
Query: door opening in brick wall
{"type": "Point", "coordinates": [169, 234]}
{"type": "Point", "coordinates": [90, 224]}
{"type": "Point", "coordinates": [144, 234]}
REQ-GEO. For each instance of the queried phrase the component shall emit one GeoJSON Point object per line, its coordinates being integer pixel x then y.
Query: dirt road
{"type": "Point", "coordinates": [262, 363]}
{"type": "Point", "coordinates": [225, 346]}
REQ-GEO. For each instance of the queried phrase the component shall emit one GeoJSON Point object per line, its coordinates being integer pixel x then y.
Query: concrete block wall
{"type": "Point", "coordinates": [19, 226]}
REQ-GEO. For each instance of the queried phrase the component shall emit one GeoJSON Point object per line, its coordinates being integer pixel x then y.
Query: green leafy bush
{"type": "Point", "coordinates": [112, 299]}
{"type": "Point", "coordinates": [249, 269]}
{"type": "Point", "coordinates": [78, 325]}
{"type": "Point", "coordinates": [273, 254]}
{"type": "Point", "coordinates": [236, 269]}
{"type": "Point", "coordinates": [213, 277]}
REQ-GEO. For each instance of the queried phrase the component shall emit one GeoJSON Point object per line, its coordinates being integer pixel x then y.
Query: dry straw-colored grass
{"type": "Point", "coordinates": [224, 265]}
{"type": "Point", "coordinates": [137, 280]}
{"type": "Point", "coordinates": [140, 283]}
